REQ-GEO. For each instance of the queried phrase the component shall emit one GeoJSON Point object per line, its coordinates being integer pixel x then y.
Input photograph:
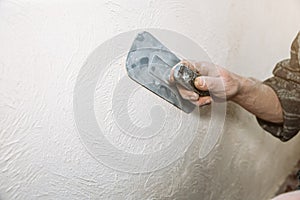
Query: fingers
{"type": "Point", "coordinates": [187, 94]}
{"type": "Point", "coordinates": [194, 97]}
{"type": "Point", "coordinates": [201, 68]}
{"type": "Point", "coordinates": [207, 69]}
{"type": "Point", "coordinates": [209, 79]}
{"type": "Point", "coordinates": [209, 83]}
{"type": "Point", "coordinates": [200, 83]}
{"type": "Point", "coordinates": [188, 64]}
{"type": "Point", "coordinates": [202, 101]}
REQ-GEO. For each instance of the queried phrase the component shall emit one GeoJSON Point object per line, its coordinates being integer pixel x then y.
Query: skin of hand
{"type": "Point", "coordinates": [223, 85]}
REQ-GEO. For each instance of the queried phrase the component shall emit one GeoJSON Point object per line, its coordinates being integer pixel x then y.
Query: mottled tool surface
{"type": "Point", "coordinates": [149, 63]}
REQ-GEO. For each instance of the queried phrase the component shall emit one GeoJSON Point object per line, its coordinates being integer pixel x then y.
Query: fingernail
{"type": "Point", "coordinates": [208, 101]}
{"type": "Point", "coordinates": [194, 97]}
{"type": "Point", "coordinates": [198, 82]}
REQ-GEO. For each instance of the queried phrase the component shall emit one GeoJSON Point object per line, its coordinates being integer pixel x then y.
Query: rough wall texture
{"type": "Point", "coordinates": [44, 45]}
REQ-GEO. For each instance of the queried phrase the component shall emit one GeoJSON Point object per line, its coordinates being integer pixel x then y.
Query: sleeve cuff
{"type": "Point", "coordinates": [289, 96]}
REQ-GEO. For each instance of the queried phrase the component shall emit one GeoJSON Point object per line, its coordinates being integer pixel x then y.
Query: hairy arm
{"type": "Point", "coordinates": [251, 94]}
{"type": "Point", "coordinates": [259, 99]}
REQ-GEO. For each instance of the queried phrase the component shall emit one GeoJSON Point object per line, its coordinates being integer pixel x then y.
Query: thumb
{"type": "Point", "coordinates": [208, 83]}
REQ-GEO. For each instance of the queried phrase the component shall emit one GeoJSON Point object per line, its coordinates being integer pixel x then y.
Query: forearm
{"type": "Point", "coordinates": [259, 99]}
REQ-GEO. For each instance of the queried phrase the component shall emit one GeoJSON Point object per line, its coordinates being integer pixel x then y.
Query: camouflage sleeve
{"type": "Point", "coordinates": [286, 84]}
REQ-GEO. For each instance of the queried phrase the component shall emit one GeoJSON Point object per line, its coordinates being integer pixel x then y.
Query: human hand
{"type": "Point", "coordinates": [222, 84]}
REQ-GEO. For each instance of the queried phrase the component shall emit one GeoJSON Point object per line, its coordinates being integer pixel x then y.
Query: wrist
{"type": "Point", "coordinates": [245, 85]}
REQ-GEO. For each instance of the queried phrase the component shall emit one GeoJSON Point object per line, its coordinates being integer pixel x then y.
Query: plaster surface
{"type": "Point", "coordinates": [44, 44]}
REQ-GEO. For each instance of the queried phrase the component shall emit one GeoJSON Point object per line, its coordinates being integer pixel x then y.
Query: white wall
{"type": "Point", "coordinates": [44, 44]}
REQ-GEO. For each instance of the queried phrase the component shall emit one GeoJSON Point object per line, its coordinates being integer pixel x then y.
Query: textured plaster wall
{"type": "Point", "coordinates": [43, 45]}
